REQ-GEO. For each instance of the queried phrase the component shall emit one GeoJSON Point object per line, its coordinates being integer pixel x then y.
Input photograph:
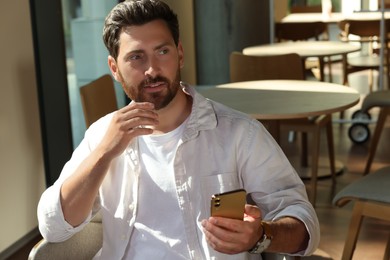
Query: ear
{"type": "Point", "coordinates": [180, 51]}
{"type": "Point", "coordinates": [113, 67]}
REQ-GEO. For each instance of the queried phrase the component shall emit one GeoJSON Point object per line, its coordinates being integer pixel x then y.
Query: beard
{"type": "Point", "coordinates": [160, 99]}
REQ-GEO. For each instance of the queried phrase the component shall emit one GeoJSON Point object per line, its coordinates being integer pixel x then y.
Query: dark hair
{"type": "Point", "coordinates": [136, 12]}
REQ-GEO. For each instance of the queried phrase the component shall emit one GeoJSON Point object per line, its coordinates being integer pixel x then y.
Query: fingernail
{"type": "Point", "coordinates": [203, 223]}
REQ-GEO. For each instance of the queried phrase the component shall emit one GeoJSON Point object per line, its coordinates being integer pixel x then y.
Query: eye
{"type": "Point", "coordinates": [135, 57]}
{"type": "Point", "coordinates": [163, 51]}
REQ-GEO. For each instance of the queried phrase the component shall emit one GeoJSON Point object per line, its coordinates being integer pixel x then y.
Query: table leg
{"type": "Point", "coordinates": [322, 64]}
{"type": "Point", "coordinates": [273, 127]}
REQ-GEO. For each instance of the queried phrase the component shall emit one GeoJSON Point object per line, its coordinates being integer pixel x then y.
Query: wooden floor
{"type": "Point", "coordinates": [334, 221]}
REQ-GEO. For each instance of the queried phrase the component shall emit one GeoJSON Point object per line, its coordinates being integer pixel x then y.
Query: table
{"type": "Point", "coordinates": [273, 100]}
{"type": "Point", "coordinates": [305, 49]}
{"type": "Point", "coordinates": [333, 18]}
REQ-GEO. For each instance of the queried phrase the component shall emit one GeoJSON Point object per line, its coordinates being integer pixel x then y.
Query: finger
{"type": "Point", "coordinates": [232, 225]}
{"type": "Point", "coordinates": [137, 110]}
{"type": "Point", "coordinates": [141, 105]}
{"type": "Point", "coordinates": [252, 211]}
{"type": "Point", "coordinates": [223, 240]}
{"type": "Point", "coordinates": [139, 122]}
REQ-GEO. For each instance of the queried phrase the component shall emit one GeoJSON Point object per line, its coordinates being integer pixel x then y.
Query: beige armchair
{"type": "Point", "coordinates": [371, 198]}
{"type": "Point", "coordinates": [83, 245]}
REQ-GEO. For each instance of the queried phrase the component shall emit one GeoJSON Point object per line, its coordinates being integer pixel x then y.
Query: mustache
{"type": "Point", "coordinates": [156, 79]}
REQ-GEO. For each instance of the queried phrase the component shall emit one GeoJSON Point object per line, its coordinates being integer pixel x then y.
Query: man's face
{"type": "Point", "coordinates": [148, 63]}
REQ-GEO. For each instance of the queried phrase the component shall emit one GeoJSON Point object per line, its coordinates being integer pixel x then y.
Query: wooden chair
{"type": "Point", "coordinates": [372, 199]}
{"type": "Point", "coordinates": [306, 9]}
{"type": "Point", "coordinates": [297, 31]}
{"type": "Point", "coordinates": [379, 99]}
{"type": "Point", "coordinates": [366, 32]}
{"type": "Point", "coordinates": [98, 99]}
{"type": "Point", "coordinates": [287, 66]}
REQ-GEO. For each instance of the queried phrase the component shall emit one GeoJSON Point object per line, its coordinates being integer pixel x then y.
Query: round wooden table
{"type": "Point", "coordinates": [333, 17]}
{"type": "Point", "coordinates": [283, 99]}
{"type": "Point", "coordinates": [305, 49]}
{"type": "Point", "coordinates": [273, 100]}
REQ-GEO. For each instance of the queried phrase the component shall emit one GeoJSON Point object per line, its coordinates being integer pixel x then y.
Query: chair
{"type": "Point", "coordinates": [303, 31]}
{"type": "Point", "coordinates": [287, 66]}
{"type": "Point", "coordinates": [86, 243]}
{"type": "Point", "coordinates": [83, 245]}
{"type": "Point", "coordinates": [379, 99]}
{"type": "Point", "coordinates": [366, 32]}
{"type": "Point", "coordinates": [98, 99]}
{"type": "Point", "coordinates": [372, 199]}
{"type": "Point", "coordinates": [306, 9]}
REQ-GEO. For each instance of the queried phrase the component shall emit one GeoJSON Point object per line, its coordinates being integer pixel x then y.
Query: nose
{"type": "Point", "coordinates": [152, 69]}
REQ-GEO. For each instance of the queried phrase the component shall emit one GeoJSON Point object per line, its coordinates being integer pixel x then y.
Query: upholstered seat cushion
{"type": "Point", "coordinates": [372, 187]}
{"type": "Point", "coordinates": [376, 99]}
{"type": "Point", "coordinates": [83, 245]}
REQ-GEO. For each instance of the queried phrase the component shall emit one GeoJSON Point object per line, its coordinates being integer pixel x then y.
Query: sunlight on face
{"type": "Point", "coordinates": [148, 63]}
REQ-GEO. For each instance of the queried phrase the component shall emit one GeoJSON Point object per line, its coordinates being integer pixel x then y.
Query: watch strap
{"type": "Point", "coordinates": [264, 241]}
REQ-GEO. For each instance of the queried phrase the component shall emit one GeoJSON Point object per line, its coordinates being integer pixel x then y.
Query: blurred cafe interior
{"type": "Point", "coordinates": [337, 136]}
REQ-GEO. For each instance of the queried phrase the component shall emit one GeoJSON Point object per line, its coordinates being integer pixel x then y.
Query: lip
{"type": "Point", "coordinates": [155, 87]}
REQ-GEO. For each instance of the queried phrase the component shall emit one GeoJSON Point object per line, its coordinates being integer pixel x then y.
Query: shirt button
{"type": "Point", "coordinates": [131, 206]}
{"type": "Point", "coordinates": [123, 237]}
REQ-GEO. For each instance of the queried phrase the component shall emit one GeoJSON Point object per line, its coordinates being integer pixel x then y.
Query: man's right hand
{"type": "Point", "coordinates": [79, 191]}
{"type": "Point", "coordinates": [131, 121]}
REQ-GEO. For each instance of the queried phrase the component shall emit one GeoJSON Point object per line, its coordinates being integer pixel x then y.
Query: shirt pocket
{"type": "Point", "coordinates": [217, 183]}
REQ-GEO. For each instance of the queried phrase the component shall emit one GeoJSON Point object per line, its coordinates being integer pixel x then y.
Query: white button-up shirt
{"type": "Point", "coordinates": [221, 150]}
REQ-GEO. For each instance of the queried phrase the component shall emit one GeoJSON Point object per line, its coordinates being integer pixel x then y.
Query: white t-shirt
{"type": "Point", "coordinates": [158, 229]}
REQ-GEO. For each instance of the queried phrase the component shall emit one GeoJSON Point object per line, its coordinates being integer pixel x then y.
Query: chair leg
{"type": "Point", "coordinates": [314, 166]}
{"type": "Point", "coordinates": [387, 250]}
{"type": "Point", "coordinates": [353, 232]}
{"type": "Point", "coordinates": [322, 64]}
{"type": "Point", "coordinates": [329, 134]}
{"type": "Point", "coordinates": [330, 69]}
{"type": "Point", "coordinates": [345, 77]}
{"type": "Point", "coordinates": [375, 138]}
{"type": "Point", "coordinates": [304, 155]}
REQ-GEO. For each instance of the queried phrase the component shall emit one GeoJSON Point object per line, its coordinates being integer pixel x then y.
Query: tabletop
{"type": "Point", "coordinates": [304, 49]}
{"type": "Point", "coordinates": [333, 17]}
{"type": "Point", "coordinates": [283, 99]}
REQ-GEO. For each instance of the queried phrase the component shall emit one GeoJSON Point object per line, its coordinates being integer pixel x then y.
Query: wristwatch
{"type": "Point", "coordinates": [264, 241]}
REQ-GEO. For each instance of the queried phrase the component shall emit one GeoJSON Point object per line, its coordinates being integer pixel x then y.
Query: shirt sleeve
{"type": "Point", "coordinates": [52, 224]}
{"type": "Point", "coordinates": [274, 185]}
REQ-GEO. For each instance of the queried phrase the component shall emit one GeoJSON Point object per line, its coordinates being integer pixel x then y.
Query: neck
{"type": "Point", "coordinates": [174, 114]}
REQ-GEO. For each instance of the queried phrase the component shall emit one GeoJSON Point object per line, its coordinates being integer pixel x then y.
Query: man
{"type": "Point", "coordinates": [151, 167]}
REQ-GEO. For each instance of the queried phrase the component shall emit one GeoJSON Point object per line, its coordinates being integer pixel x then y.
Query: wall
{"type": "Point", "coordinates": [21, 160]}
{"type": "Point", "coordinates": [185, 12]}
{"type": "Point", "coordinates": [223, 27]}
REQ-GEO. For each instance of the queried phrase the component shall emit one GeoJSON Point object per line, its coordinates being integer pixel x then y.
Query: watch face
{"type": "Point", "coordinates": [265, 244]}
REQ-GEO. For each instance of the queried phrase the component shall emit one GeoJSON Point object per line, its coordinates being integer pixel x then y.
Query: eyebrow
{"type": "Point", "coordinates": [140, 51]}
{"type": "Point", "coordinates": [155, 48]}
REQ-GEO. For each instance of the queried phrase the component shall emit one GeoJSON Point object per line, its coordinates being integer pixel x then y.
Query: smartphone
{"type": "Point", "coordinates": [229, 204]}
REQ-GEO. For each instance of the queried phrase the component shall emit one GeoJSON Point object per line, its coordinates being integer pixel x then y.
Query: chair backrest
{"type": "Point", "coordinates": [98, 99]}
{"type": "Point", "coordinates": [83, 245]}
{"type": "Point", "coordinates": [360, 28]}
{"type": "Point", "coordinates": [306, 9]}
{"type": "Point", "coordinates": [367, 29]}
{"type": "Point", "coordinates": [283, 66]}
{"type": "Point", "coordinates": [296, 31]}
